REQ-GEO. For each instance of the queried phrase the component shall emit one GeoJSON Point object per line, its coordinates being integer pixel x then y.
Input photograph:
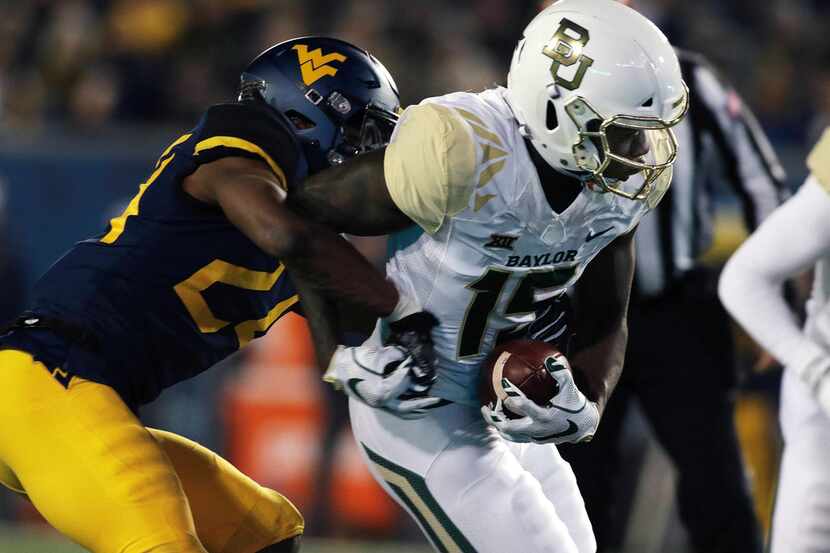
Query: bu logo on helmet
{"type": "Point", "coordinates": [314, 65]}
{"type": "Point", "coordinates": [565, 49]}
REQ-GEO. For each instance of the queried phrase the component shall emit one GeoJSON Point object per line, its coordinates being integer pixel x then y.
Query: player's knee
{"type": "Point", "coordinates": [291, 545]}
{"type": "Point", "coordinates": [555, 476]}
{"type": "Point", "coordinates": [279, 519]}
{"type": "Point", "coordinates": [531, 515]}
{"type": "Point", "coordinates": [558, 481]}
{"type": "Point", "coordinates": [10, 480]}
{"type": "Point", "coordinates": [184, 543]}
{"type": "Point", "coordinates": [537, 518]}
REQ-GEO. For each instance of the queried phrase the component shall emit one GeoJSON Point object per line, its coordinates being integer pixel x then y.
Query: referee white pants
{"type": "Point", "coordinates": [470, 490]}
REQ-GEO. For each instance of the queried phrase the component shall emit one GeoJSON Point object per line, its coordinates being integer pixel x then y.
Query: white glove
{"type": "Point", "coordinates": [567, 418]}
{"type": "Point", "coordinates": [379, 376]}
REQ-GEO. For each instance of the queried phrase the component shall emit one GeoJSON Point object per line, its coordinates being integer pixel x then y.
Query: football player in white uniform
{"type": "Point", "coordinates": [516, 190]}
{"type": "Point", "coordinates": [793, 239]}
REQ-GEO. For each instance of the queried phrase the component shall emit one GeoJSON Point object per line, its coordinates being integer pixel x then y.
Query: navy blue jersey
{"type": "Point", "coordinates": [171, 287]}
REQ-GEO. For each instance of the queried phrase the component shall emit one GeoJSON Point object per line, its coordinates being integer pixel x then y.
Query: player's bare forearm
{"type": "Point", "coordinates": [351, 198]}
{"type": "Point", "coordinates": [602, 328]}
{"type": "Point", "coordinates": [251, 198]}
{"type": "Point", "coordinates": [333, 267]}
{"type": "Point", "coordinates": [321, 315]}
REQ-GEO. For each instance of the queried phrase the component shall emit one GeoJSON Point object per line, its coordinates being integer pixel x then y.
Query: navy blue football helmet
{"type": "Point", "coordinates": [339, 99]}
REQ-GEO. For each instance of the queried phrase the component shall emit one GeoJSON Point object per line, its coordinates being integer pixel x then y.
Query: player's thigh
{"type": "Point", "coordinates": [800, 521]}
{"type": "Point", "coordinates": [88, 464]}
{"type": "Point", "coordinates": [460, 482]}
{"type": "Point", "coordinates": [233, 514]}
{"type": "Point", "coordinates": [559, 485]}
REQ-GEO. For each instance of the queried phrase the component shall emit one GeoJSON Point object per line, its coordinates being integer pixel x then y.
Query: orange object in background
{"type": "Point", "coordinates": [274, 415]}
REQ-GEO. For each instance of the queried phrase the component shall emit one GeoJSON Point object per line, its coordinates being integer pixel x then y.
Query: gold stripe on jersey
{"type": "Point", "coordinates": [175, 143]}
{"type": "Point", "coordinates": [246, 330]}
{"type": "Point", "coordinates": [118, 224]}
{"type": "Point", "coordinates": [190, 293]}
{"type": "Point", "coordinates": [241, 144]}
{"type": "Point", "coordinates": [489, 153]}
{"type": "Point", "coordinates": [485, 134]}
{"type": "Point", "coordinates": [481, 200]}
{"type": "Point", "coordinates": [819, 160]}
{"type": "Point", "coordinates": [491, 171]}
{"type": "Point", "coordinates": [470, 116]}
{"type": "Point", "coordinates": [479, 127]}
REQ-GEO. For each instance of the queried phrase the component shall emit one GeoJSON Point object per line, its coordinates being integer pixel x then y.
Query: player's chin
{"type": "Point", "coordinates": [619, 171]}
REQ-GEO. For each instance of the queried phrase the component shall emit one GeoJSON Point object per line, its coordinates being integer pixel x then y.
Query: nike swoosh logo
{"type": "Point", "coordinates": [572, 429]}
{"type": "Point", "coordinates": [591, 235]}
{"type": "Point", "coordinates": [352, 384]}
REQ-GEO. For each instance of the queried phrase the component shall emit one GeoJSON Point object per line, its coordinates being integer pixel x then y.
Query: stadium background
{"type": "Point", "coordinates": [91, 90]}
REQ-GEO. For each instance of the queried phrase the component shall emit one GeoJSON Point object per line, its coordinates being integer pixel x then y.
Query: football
{"type": "Point", "coordinates": [522, 362]}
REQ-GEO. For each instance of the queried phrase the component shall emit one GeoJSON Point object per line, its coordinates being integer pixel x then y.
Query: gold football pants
{"type": "Point", "coordinates": [107, 482]}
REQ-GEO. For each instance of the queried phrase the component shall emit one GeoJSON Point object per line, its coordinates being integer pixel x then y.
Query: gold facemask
{"type": "Point", "coordinates": [594, 152]}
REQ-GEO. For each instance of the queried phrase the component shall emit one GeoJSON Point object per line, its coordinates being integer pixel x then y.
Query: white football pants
{"type": "Point", "coordinates": [470, 490]}
{"type": "Point", "coordinates": [801, 521]}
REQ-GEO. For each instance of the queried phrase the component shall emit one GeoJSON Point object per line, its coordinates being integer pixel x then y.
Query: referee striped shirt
{"type": "Point", "coordinates": [719, 125]}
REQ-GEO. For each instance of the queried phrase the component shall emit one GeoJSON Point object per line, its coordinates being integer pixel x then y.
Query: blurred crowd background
{"type": "Point", "coordinates": [91, 90]}
{"type": "Point", "coordinates": [83, 65]}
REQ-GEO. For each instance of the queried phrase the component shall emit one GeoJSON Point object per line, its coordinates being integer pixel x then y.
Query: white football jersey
{"type": "Point", "coordinates": [817, 325]}
{"type": "Point", "coordinates": [458, 166]}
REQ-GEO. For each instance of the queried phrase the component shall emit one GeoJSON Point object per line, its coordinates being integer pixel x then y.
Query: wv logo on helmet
{"type": "Point", "coordinates": [314, 65]}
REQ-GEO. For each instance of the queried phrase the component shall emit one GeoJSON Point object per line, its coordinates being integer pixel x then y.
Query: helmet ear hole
{"type": "Point", "coordinates": [300, 121]}
{"type": "Point", "coordinates": [551, 119]}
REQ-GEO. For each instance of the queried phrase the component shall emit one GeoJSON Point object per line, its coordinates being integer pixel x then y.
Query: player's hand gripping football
{"type": "Point", "coordinates": [395, 377]}
{"type": "Point", "coordinates": [569, 417]}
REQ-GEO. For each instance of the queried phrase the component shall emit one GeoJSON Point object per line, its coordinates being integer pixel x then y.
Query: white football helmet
{"type": "Point", "coordinates": [584, 66]}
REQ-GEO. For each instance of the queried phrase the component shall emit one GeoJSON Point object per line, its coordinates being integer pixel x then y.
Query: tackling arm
{"type": "Point", "coordinates": [253, 199]}
{"type": "Point", "coordinates": [603, 293]}
{"type": "Point", "coordinates": [351, 198]}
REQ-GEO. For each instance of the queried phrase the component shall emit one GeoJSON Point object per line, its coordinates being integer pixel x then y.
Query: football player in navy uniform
{"type": "Point", "coordinates": [190, 272]}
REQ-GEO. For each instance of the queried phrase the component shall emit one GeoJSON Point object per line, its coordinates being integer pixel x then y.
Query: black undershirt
{"type": "Point", "coordinates": [560, 190]}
